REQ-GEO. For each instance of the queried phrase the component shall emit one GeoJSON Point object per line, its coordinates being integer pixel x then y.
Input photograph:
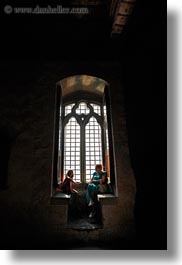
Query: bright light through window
{"type": "Point", "coordinates": [106, 128]}
{"type": "Point", "coordinates": [68, 109]}
{"type": "Point", "coordinates": [72, 148]}
{"type": "Point", "coordinates": [82, 109]}
{"type": "Point", "coordinates": [96, 108]}
{"type": "Point", "coordinates": [83, 139]}
{"type": "Point", "coordinates": [93, 150]}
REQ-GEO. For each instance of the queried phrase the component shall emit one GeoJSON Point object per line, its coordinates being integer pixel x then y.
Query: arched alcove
{"type": "Point", "coordinates": [91, 93]}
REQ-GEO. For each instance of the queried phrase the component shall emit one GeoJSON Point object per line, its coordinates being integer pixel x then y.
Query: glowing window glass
{"type": "Point", "coordinates": [72, 148]}
{"type": "Point", "coordinates": [82, 142]}
{"type": "Point", "coordinates": [96, 108]}
{"type": "Point", "coordinates": [68, 108]}
{"type": "Point", "coordinates": [82, 109]}
{"type": "Point", "coordinates": [93, 154]}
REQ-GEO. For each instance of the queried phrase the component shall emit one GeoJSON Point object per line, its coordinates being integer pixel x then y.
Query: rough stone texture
{"type": "Point", "coordinates": [25, 205]}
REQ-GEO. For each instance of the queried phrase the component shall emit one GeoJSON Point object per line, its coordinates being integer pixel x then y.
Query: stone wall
{"type": "Point", "coordinates": [27, 109]}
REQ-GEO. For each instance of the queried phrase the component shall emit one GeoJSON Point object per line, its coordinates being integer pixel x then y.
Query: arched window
{"type": "Point", "coordinates": [83, 135]}
{"type": "Point", "coordinates": [83, 129]}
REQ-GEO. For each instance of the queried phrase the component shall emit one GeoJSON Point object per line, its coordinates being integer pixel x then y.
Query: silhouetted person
{"type": "Point", "coordinates": [67, 185]}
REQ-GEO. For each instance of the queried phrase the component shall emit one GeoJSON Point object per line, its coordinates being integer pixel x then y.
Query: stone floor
{"type": "Point", "coordinates": [78, 212]}
{"type": "Point", "coordinates": [84, 224]}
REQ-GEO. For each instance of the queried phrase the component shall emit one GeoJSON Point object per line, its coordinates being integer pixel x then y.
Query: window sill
{"type": "Point", "coordinates": [62, 198]}
{"type": "Point", "coordinates": [106, 196]}
{"type": "Point", "coordinates": [107, 199]}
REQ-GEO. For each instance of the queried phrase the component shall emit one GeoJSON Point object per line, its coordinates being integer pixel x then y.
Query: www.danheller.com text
{"type": "Point", "coordinates": [46, 10]}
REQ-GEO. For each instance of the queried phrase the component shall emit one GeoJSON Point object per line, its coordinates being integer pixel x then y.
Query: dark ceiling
{"type": "Point", "coordinates": [50, 35]}
{"type": "Point", "coordinates": [73, 37]}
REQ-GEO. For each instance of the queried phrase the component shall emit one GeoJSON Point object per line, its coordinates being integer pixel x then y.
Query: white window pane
{"type": "Point", "coordinates": [96, 108]}
{"type": "Point", "coordinates": [68, 109]}
{"type": "Point", "coordinates": [72, 141]}
{"type": "Point", "coordinates": [82, 109]}
{"type": "Point", "coordinates": [71, 131]}
{"type": "Point", "coordinates": [93, 139]}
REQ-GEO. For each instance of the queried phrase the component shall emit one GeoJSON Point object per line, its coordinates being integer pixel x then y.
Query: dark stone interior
{"type": "Point", "coordinates": [40, 51]}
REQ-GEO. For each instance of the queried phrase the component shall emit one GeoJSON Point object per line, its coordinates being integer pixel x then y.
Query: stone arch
{"type": "Point", "coordinates": [86, 84]}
